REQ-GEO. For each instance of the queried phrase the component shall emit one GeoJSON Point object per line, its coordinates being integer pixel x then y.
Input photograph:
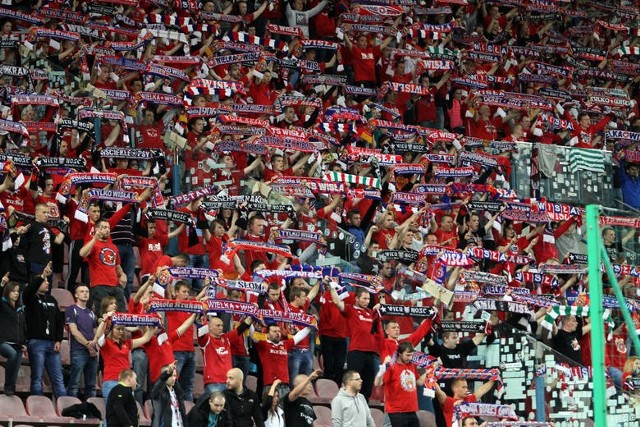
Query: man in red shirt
{"type": "Point", "coordinates": [105, 272]}
{"type": "Point", "coordinates": [446, 233]}
{"type": "Point", "coordinates": [191, 243]}
{"type": "Point", "coordinates": [301, 356]}
{"type": "Point", "coordinates": [363, 346]}
{"type": "Point", "coordinates": [274, 357]}
{"type": "Point", "coordinates": [364, 57]}
{"type": "Point", "coordinates": [460, 394]}
{"type": "Point", "coordinates": [401, 381]}
{"type": "Point", "coordinates": [183, 347]}
{"type": "Point", "coordinates": [216, 349]}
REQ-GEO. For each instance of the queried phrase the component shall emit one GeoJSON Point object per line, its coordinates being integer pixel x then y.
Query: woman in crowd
{"type": "Point", "coordinates": [12, 334]}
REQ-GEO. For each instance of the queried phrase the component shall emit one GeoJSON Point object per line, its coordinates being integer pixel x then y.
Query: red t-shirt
{"type": "Point", "coordinates": [275, 360]}
{"type": "Point", "coordinates": [443, 236]}
{"type": "Point", "coordinates": [360, 321]}
{"type": "Point", "coordinates": [102, 260]}
{"type": "Point", "coordinates": [332, 322]}
{"type": "Point", "coordinates": [400, 388]}
{"type": "Point", "coordinates": [292, 329]}
{"type": "Point", "coordinates": [217, 356]}
{"type": "Point", "coordinates": [115, 357]}
{"type": "Point", "coordinates": [151, 249]}
{"type": "Point", "coordinates": [364, 63]}
{"type": "Point", "coordinates": [182, 342]}
{"type": "Point", "coordinates": [449, 406]}
{"type": "Point", "coordinates": [159, 354]}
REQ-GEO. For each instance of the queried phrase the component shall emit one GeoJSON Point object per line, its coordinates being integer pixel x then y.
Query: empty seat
{"type": "Point", "coordinates": [64, 298]}
{"type": "Point", "coordinates": [426, 418]}
{"type": "Point", "coordinates": [143, 420]}
{"type": "Point", "coordinates": [323, 415]}
{"type": "Point", "coordinates": [199, 361]}
{"type": "Point", "coordinates": [100, 404]}
{"type": "Point", "coordinates": [11, 408]}
{"type": "Point", "coordinates": [64, 402]}
{"type": "Point", "coordinates": [326, 390]}
{"type": "Point", "coordinates": [65, 352]}
{"type": "Point", "coordinates": [42, 407]}
{"type": "Point", "coordinates": [23, 382]}
{"type": "Point", "coordinates": [378, 417]}
{"type": "Point", "coordinates": [148, 409]}
{"type": "Point", "coordinates": [252, 383]}
{"type": "Point", "coordinates": [198, 385]}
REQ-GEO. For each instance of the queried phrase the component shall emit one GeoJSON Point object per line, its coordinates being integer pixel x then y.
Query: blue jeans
{"type": "Point", "coordinates": [616, 376]}
{"type": "Point", "coordinates": [300, 362]}
{"type": "Point", "coordinates": [198, 261]}
{"type": "Point", "coordinates": [13, 353]}
{"type": "Point", "coordinates": [107, 386]}
{"type": "Point", "coordinates": [186, 367]}
{"type": "Point", "coordinates": [128, 264]}
{"type": "Point", "coordinates": [42, 356]}
{"type": "Point", "coordinates": [211, 387]}
{"type": "Point", "coordinates": [83, 362]}
{"type": "Point", "coordinates": [140, 365]}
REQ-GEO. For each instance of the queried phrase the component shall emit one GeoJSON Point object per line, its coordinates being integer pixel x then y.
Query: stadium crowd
{"type": "Point", "coordinates": [337, 177]}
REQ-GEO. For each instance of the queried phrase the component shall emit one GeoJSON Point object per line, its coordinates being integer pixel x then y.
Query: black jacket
{"type": "Point", "coordinates": [11, 323]}
{"type": "Point", "coordinates": [199, 415]}
{"type": "Point", "coordinates": [244, 407]}
{"type": "Point", "coordinates": [45, 320]}
{"type": "Point", "coordinates": [161, 402]}
{"type": "Point", "coordinates": [121, 409]}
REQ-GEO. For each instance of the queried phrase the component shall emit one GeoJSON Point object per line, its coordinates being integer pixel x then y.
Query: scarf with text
{"type": "Point", "coordinates": [231, 248]}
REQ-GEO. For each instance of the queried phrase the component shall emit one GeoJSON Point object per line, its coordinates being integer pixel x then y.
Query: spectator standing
{"type": "Point", "coordinates": [183, 347]}
{"type": "Point", "coordinates": [107, 276]}
{"type": "Point", "coordinates": [271, 411]}
{"type": "Point", "coordinates": [349, 408]}
{"type": "Point", "coordinates": [82, 324]}
{"type": "Point", "coordinates": [122, 409]}
{"type": "Point", "coordinates": [460, 394]}
{"type": "Point", "coordinates": [363, 346]}
{"type": "Point", "coordinates": [242, 403]}
{"type": "Point", "coordinates": [12, 332]}
{"type": "Point", "coordinates": [168, 399]}
{"type": "Point", "coordinates": [216, 350]}
{"type": "Point", "coordinates": [298, 410]}
{"type": "Point", "coordinates": [401, 381]}
{"type": "Point", "coordinates": [45, 324]}
{"type": "Point", "coordinates": [38, 238]}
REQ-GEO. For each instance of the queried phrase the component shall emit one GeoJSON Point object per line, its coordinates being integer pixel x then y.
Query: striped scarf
{"type": "Point", "coordinates": [586, 159]}
{"type": "Point", "coordinates": [572, 310]}
{"type": "Point", "coordinates": [353, 179]}
{"type": "Point", "coordinates": [471, 374]}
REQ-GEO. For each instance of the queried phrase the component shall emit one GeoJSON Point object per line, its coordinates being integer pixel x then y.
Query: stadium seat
{"type": "Point", "coordinates": [42, 407]}
{"type": "Point", "coordinates": [378, 416]}
{"type": "Point", "coordinates": [64, 402]}
{"type": "Point", "coordinates": [326, 390]}
{"type": "Point", "coordinates": [199, 361]}
{"type": "Point", "coordinates": [188, 405]}
{"type": "Point", "coordinates": [426, 418]}
{"type": "Point", "coordinates": [252, 382]}
{"type": "Point", "coordinates": [23, 382]}
{"type": "Point", "coordinates": [148, 408]}
{"type": "Point", "coordinates": [65, 352]}
{"type": "Point", "coordinates": [198, 385]}
{"type": "Point", "coordinates": [323, 415]}
{"type": "Point", "coordinates": [64, 298]}
{"type": "Point", "coordinates": [100, 404]}
{"type": "Point", "coordinates": [143, 420]}
{"type": "Point", "coordinates": [11, 408]}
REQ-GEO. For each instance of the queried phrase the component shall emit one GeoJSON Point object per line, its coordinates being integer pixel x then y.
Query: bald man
{"type": "Point", "coordinates": [298, 410]}
{"type": "Point", "coordinates": [242, 403]}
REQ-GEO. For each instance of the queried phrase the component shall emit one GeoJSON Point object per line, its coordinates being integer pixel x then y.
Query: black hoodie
{"type": "Point", "coordinates": [44, 319]}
